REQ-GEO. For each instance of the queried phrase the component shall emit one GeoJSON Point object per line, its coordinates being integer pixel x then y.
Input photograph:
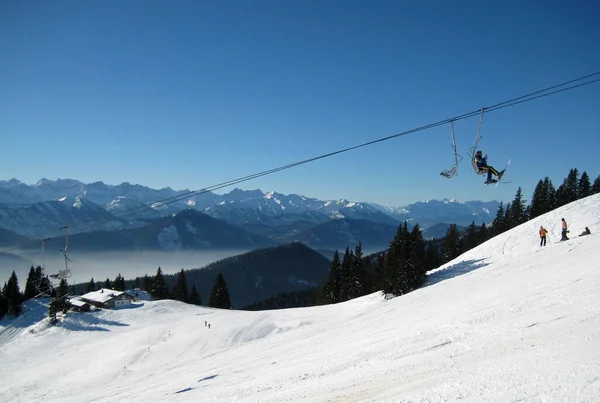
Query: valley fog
{"type": "Point", "coordinates": [105, 265]}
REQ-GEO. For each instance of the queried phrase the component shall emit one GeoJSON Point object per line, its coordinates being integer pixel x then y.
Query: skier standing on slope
{"type": "Point", "coordinates": [564, 230]}
{"type": "Point", "coordinates": [543, 233]}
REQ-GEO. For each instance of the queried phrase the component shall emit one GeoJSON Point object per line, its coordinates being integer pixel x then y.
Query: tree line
{"type": "Point", "coordinates": [399, 269]}
{"type": "Point", "coordinates": [403, 266]}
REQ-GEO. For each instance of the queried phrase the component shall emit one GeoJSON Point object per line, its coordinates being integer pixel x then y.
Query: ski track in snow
{"type": "Point", "coordinates": [508, 321]}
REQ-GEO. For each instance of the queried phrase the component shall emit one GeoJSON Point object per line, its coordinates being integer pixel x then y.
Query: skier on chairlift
{"type": "Point", "coordinates": [482, 165]}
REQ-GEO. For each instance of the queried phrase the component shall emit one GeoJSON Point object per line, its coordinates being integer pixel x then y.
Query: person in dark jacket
{"type": "Point", "coordinates": [482, 165]}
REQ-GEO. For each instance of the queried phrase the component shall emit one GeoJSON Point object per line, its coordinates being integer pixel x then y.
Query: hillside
{"type": "Point", "coordinates": [507, 321]}
{"type": "Point", "coordinates": [186, 230]}
{"type": "Point", "coordinates": [262, 273]}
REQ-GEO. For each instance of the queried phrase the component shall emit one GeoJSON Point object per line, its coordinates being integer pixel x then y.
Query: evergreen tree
{"type": "Point", "coordinates": [91, 285]}
{"type": "Point", "coordinates": [432, 256]}
{"type": "Point", "coordinates": [498, 225]}
{"type": "Point", "coordinates": [451, 245]}
{"type": "Point", "coordinates": [396, 261]}
{"type": "Point", "coordinates": [345, 281]}
{"type": "Point", "coordinates": [569, 191]}
{"type": "Point", "coordinates": [3, 303]}
{"type": "Point", "coordinates": [585, 187]}
{"type": "Point", "coordinates": [219, 297]}
{"type": "Point", "coordinates": [63, 287]}
{"type": "Point", "coordinates": [195, 297]}
{"type": "Point", "coordinates": [180, 290]}
{"type": "Point", "coordinates": [471, 238]}
{"type": "Point", "coordinates": [30, 285]}
{"type": "Point", "coordinates": [147, 283]}
{"type": "Point", "coordinates": [550, 194]}
{"type": "Point", "coordinates": [537, 200]}
{"type": "Point", "coordinates": [379, 283]}
{"type": "Point", "coordinates": [482, 235]}
{"type": "Point", "coordinates": [52, 310]}
{"type": "Point", "coordinates": [330, 293]}
{"type": "Point", "coordinates": [119, 283]}
{"type": "Point", "coordinates": [357, 277]}
{"type": "Point", "coordinates": [13, 296]}
{"type": "Point", "coordinates": [416, 268]}
{"type": "Point", "coordinates": [508, 217]}
{"type": "Point", "coordinates": [596, 186]}
{"type": "Point", "coordinates": [108, 284]}
{"type": "Point", "coordinates": [44, 284]}
{"type": "Point", "coordinates": [518, 209]}
{"type": "Point", "coordinates": [159, 286]}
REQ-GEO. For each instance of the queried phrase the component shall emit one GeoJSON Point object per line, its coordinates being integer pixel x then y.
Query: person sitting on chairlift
{"type": "Point", "coordinates": [483, 166]}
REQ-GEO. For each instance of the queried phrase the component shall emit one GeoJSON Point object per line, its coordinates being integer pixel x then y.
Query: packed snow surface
{"type": "Point", "coordinates": [507, 321]}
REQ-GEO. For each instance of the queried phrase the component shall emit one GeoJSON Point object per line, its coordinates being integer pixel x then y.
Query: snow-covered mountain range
{"type": "Point", "coordinates": [44, 207]}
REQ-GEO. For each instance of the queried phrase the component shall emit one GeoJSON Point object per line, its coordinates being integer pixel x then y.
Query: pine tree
{"type": "Point", "coordinates": [416, 263]}
{"type": "Point", "coordinates": [451, 245]}
{"type": "Point", "coordinates": [584, 185]}
{"type": "Point", "coordinates": [3, 303]}
{"type": "Point", "coordinates": [330, 292]}
{"type": "Point", "coordinates": [147, 283]}
{"type": "Point", "coordinates": [63, 288]}
{"type": "Point", "coordinates": [379, 283]}
{"type": "Point", "coordinates": [44, 284]}
{"type": "Point", "coordinates": [195, 298]}
{"type": "Point", "coordinates": [159, 286]}
{"type": "Point", "coordinates": [498, 225]}
{"type": "Point", "coordinates": [508, 217]}
{"type": "Point", "coordinates": [30, 285]}
{"type": "Point", "coordinates": [518, 209]}
{"type": "Point", "coordinates": [482, 235]}
{"type": "Point", "coordinates": [108, 284]}
{"type": "Point", "coordinates": [471, 238]}
{"type": "Point", "coordinates": [396, 261]}
{"type": "Point", "coordinates": [219, 297]}
{"type": "Point", "coordinates": [13, 296]}
{"type": "Point", "coordinates": [91, 285]}
{"type": "Point", "coordinates": [596, 186]}
{"type": "Point", "coordinates": [119, 283]}
{"type": "Point", "coordinates": [569, 191]}
{"type": "Point", "coordinates": [180, 290]}
{"type": "Point", "coordinates": [356, 282]}
{"type": "Point", "coordinates": [52, 310]}
{"type": "Point", "coordinates": [345, 283]}
{"type": "Point", "coordinates": [537, 200]}
{"type": "Point", "coordinates": [432, 256]}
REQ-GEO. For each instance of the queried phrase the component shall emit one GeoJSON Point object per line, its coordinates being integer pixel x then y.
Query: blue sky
{"type": "Point", "coordinates": [188, 94]}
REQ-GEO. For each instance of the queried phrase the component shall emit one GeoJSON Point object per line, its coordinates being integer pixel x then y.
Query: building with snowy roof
{"type": "Point", "coordinates": [107, 298]}
{"type": "Point", "coordinates": [79, 305]}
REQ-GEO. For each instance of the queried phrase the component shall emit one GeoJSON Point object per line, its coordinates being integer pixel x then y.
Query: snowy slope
{"type": "Point", "coordinates": [507, 321]}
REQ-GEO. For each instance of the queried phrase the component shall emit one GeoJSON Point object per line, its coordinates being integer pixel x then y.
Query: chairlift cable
{"type": "Point", "coordinates": [509, 103]}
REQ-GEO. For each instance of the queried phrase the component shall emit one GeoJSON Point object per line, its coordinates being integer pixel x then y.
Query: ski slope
{"type": "Point", "coordinates": [507, 321]}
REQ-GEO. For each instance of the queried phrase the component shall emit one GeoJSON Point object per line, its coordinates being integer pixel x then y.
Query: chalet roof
{"type": "Point", "coordinates": [103, 295]}
{"type": "Point", "coordinates": [77, 302]}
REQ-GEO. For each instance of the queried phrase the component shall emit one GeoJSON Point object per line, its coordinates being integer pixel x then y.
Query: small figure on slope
{"type": "Point", "coordinates": [543, 233]}
{"type": "Point", "coordinates": [482, 165]}
{"type": "Point", "coordinates": [585, 232]}
{"type": "Point", "coordinates": [564, 230]}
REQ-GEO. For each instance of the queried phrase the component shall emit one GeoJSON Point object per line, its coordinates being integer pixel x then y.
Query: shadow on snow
{"type": "Point", "coordinates": [455, 270]}
{"type": "Point", "coordinates": [86, 322]}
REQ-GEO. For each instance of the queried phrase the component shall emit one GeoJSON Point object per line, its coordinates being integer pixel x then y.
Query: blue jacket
{"type": "Point", "coordinates": [481, 162]}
